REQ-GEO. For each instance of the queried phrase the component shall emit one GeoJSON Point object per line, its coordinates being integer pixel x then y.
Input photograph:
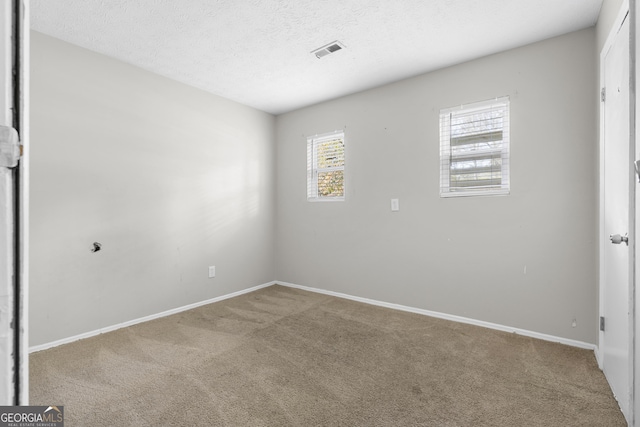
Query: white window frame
{"type": "Point", "coordinates": [446, 155]}
{"type": "Point", "coordinates": [313, 170]}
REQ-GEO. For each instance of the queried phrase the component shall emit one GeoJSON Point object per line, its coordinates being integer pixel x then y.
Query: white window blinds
{"type": "Point", "coordinates": [325, 167]}
{"type": "Point", "coordinates": [474, 149]}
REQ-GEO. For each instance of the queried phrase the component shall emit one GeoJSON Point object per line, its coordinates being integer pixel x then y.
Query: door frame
{"type": "Point", "coordinates": [14, 98]}
{"type": "Point", "coordinates": [602, 238]}
{"type": "Point", "coordinates": [23, 208]}
{"type": "Point", "coordinates": [633, 219]}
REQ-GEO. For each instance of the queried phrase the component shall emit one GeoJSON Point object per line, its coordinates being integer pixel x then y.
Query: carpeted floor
{"type": "Point", "coordinates": [287, 357]}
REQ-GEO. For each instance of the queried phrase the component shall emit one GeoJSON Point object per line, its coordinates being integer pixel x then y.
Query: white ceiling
{"type": "Point", "coordinates": [257, 52]}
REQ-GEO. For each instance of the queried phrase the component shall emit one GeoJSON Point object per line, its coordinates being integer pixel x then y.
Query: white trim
{"type": "Point", "coordinates": [477, 193]}
{"type": "Point", "coordinates": [6, 215]}
{"type": "Point", "coordinates": [25, 58]}
{"type": "Point", "coordinates": [446, 151]}
{"type": "Point", "coordinates": [326, 199]}
{"type": "Point", "coordinates": [634, 401]}
{"type": "Point", "coordinates": [445, 316]}
{"type": "Point", "coordinates": [478, 105]}
{"type": "Point", "coordinates": [598, 360]}
{"type": "Point", "coordinates": [633, 374]}
{"type": "Point", "coordinates": [145, 319]}
{"type": "Point", "coordinates": [327, 136]}
{"type": "Point", "coordinates": [313, 169]}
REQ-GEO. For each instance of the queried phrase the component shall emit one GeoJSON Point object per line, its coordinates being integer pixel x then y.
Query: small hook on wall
{"type": "Point", "coordinates": [96, 247]}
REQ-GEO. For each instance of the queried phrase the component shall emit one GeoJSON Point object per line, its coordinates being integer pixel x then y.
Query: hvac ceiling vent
{"type": "Point", "coordinates": [328, 49]}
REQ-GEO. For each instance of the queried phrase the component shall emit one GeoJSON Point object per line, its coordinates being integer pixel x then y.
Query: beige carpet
{"type": "Point", "coordinates": [286, 357]}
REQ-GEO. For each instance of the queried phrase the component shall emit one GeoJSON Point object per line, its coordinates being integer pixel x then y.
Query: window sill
{"type": "Point", "coordinates": [326, 199]}
{"type": "Point", "coordinates": [475, 193]}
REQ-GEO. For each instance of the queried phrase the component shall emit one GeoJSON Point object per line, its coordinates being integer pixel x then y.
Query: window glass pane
{"type": "Point", "coordinates": [476, 179]}
{"type": "Point", "coordinates": [478, 164]}
{"type": "Point", "coordinates": [331, 184]}
{"type": "Point", "coordinates": [331, 154]}
{"type": "Point", "coordinates": [477, 142]}
{"type": "Point", "coordinates": [477, 122]}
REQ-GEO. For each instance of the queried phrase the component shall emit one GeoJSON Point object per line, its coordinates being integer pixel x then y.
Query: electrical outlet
{"type": "Point", "coordinates": [212, 271]}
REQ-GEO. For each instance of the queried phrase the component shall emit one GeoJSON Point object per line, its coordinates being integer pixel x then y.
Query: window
{"type": "Point", "coordinates": [474, 149]}
{"type": "Point", "coordinates": [325, 167]}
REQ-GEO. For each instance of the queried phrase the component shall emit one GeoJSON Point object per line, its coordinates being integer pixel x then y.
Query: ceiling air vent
{"type": "Point", "coordinates": [327, 49]}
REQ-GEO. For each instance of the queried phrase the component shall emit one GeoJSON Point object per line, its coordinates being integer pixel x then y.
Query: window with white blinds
{"type": "Point", "coordinates": [474, 149]}
{"type": "Point", "coordinates": [325, 167]}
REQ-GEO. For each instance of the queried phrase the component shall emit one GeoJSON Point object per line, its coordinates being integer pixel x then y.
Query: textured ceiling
{"type": "Point", "coordinates": [257, 52]}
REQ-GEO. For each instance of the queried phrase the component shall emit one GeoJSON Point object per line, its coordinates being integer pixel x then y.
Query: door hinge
{"type": "Point", "coordinates": [10, 149]}
{"type": "Point", "coordinates": [602, 323]}
{"type": "Point", "coordinates": [603, 94]}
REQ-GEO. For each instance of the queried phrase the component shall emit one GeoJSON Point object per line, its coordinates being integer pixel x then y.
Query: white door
{"type": "Point", "coordinates": [614, 340]}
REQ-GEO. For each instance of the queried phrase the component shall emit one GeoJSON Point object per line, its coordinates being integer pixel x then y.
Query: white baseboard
{"type": "Point", "coordinates": [599, 358]}
{"type": "Point", "coordinates": [145, 319]}
{"type": "Point", "coordinates": [523, 332]}
{"type": "Point", "coordinates": [430, 313]}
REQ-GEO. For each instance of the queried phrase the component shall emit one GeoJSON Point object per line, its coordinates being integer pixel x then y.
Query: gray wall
{"type": "Point", "coordinates": [462, 256]}
{"type": "Point", "coordinates": [171, 179]}
{"type": "Point", "coordinates": [168, 178]}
